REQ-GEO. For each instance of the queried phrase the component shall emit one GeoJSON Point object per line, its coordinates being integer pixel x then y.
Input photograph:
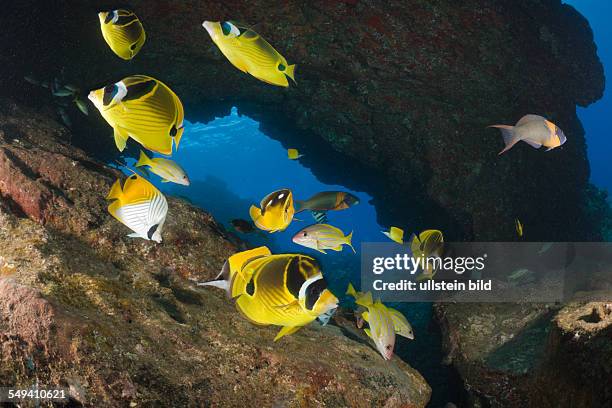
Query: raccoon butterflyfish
{"type": "Point", "coordinates": [428, 244]}
{"type": "Point", "coordinates": [144, 109]}
{"type": "Point", "coordinates": [395, 234]}
{"type": "Point", "coordinates": [123, 32]}
{"type": "Point", "coordinates": [284, 290]}
{"type": "Point", "coordinates": [276, 212]}
{"type": "Point", "coordinates": [249, 52]}
{"type": "Point", "coordinates": [167, 169]}
{"type": "Point", "coordinates": [139, 206]}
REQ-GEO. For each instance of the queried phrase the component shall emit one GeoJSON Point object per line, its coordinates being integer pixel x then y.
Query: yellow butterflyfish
{"type": "Point", "coordinates": [285, 290]}
{"type": "Point", "coordinates": [250, 53]}
{"type": "Point", "coordinates": [123, 32]}
{"type": "Point", "coordinates": [139, 206]}
{"type": "Point", "coordinates": [276, 212]}
{"type": "Point", "coordinates": [144, 109]}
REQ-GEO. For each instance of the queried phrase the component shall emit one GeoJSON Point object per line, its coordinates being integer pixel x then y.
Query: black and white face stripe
{"type": "Point", "coordinates": [114, 93]}
{"type": "Point", "coordinates": [111, 17]}
{"type": "Point", "coordinates": [311, 290]}
{"type": "Point", "coordinates": [120, 17]}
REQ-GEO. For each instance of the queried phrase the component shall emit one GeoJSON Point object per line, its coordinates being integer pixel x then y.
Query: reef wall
{"type": "Point", "coordinates": [404, 89]}
{"type": "Point", "coordinates": [530, 355]}
{"type": "Point", "coordinates": [117, 320]}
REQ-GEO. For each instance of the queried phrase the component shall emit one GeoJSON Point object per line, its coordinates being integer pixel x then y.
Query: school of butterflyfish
{"type": "Point", "coordinates": [286, 290]}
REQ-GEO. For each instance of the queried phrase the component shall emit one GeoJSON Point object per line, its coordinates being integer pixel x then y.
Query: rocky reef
{"type": "Point", "coordinates": [404, 90]}
{"type": "Point", "coordinates": [530, 355]}
{"type": "Point", "coordinates": [399, 92]}
{"type": "Point", "coordinates": [117, 321]}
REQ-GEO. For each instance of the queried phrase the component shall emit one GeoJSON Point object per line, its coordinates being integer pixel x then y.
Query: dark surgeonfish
{"type": "Point", "coordinates": [143, 108]}
{"type": "Point", "coordinates": [123, 32]}
{"type": "Point", "coordinates": [285, 290]}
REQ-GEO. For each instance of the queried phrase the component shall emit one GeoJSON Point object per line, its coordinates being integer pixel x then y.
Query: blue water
{"type": "Point", "coordinates": [596, 118]}
{"type": "Point", "coordinates": [232, 164]}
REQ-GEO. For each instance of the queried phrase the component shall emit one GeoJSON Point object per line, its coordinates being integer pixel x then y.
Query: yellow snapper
{"type": "Point", "coordinates": [284, 290]}
{"type": "Point", "coordinates": [168, 170]}
{"type": "Point", "coordinates": [428, 244]}
{"type": "Point", "coordinates": [400, 323]}
{"type": "Point", "coordinates": [144, 109]}
{"type": "Point", "coordinates": [249, 52]}
{"type": "Point", "coordinates": [276, 212]}
{"type": "Point", "coordinates": [139, 206]}
{"type": "Point", "coordinates": [123, 32]}
{"type": "Point", "coordinates": [322, 237]}
{"type": "Point", "coordinates": [534, 130]}
{"type": "Point", "coordinates": [382, 328]}
{"type": "Point", "coordinates": [395, 234]}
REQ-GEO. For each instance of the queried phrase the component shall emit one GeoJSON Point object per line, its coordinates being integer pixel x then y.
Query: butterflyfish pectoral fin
{"type": "Point", "coordinates": [134, 235]}
{"type": "Point", "coordinates": [165, 181]}
{"type": "Point", "coordinates": [121, 138]}
{"type": "Point", "coordinates": [365, 316]}
{"type": "Point", "coordinates": [286, 331]}
{"type": "Point", "coordinates": [367, 331]}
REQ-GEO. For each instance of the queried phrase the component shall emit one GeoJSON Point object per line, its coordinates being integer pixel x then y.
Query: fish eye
{"type": "Point", "coordinates": [388, 347]}
{"type": "Point", "coordinates": [281, 67]}
{"type": "Point", "coordinates": [305, 234]}
{"type": "Point", "coordinates": [226, 28]}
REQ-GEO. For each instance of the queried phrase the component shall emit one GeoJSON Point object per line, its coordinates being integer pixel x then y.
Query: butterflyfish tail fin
{"type": "Point", "coordinates": [143, 160]}
{"type": "Point", "coordinates": [290, 72]}
{"type": "Point", "coordinates": [350, 290]}
{"type": "Point", "coordinates": [115, 191]}
{"type": "Point", "coordinates": [285, 331]}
